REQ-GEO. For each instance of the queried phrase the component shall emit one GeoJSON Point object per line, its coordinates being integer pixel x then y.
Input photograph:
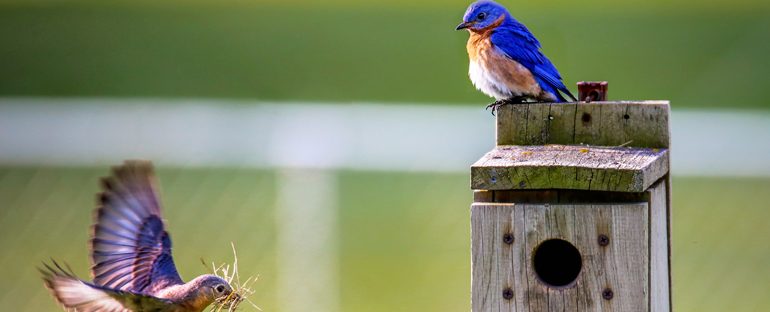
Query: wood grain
{"type": "Point", "coordinates": [621, 169]}
{"type": "Point", "coordinates": [660, 296]}
{"type": "Point", "coordinates": [621, 266]}
{"type": "Point", "coordinates": [635, 124]}
{"type": "Point", "coordinates": [544, 222]}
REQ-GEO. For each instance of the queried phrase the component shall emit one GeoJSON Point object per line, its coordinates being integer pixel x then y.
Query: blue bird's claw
{"type": "Point", "coordinates": [513, 100]}
{"type": "Point", "coordinates": [494, 106]}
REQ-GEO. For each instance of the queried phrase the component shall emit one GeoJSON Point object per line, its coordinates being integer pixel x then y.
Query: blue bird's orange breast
{"type": "Point", "coordinates": [494, 73]}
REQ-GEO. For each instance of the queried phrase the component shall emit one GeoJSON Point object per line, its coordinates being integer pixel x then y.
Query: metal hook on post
{"type": "Point", "coordinates": [589, 91]}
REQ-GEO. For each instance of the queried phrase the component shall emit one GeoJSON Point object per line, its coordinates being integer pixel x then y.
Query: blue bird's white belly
{"type": "Point", "coordinates": [486, 82]}
{"type": "Point", "coordinates": [495, 74]}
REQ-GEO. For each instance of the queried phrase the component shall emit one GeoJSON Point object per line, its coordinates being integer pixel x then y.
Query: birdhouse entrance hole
{"type": "Point", "coordinates": [557, 262]}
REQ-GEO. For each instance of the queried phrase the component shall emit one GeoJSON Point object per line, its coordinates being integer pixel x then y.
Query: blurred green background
{"type": "Point", "coordinates": [694, 53]}
{"type": "Point", "coordinates": [403, 237]}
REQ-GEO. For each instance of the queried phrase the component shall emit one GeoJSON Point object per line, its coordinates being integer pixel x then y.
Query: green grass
{"type": "Point", "coordinates": [705, 54]}
{"type": "Point", "coordinates": [404, 238]}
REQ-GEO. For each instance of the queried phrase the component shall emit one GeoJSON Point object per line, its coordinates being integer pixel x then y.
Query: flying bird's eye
{"type": "Point", "coordinates": [220, 288]}
{"type": "Point", "coordinates": [481, 16]}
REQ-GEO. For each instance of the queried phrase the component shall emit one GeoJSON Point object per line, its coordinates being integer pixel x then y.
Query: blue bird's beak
{"type": "Point", "coordinates": [463, 25]}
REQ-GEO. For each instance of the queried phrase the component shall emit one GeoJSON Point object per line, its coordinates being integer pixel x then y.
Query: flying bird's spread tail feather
{"type": "Point", "coordinates": [77, 295]}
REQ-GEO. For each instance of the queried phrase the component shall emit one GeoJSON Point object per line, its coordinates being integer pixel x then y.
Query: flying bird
{"type": "Point", "coordinates": [505, 58]}
{"type": "Point", "coordinates": [132, 267]}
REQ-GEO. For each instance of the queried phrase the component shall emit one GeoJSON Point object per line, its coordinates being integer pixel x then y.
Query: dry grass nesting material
{"type": "Point", "coordinates": [241, 288]}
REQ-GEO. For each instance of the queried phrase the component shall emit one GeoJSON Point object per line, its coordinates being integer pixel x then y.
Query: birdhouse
{"type": "Point", "coordinates": [572, 209]}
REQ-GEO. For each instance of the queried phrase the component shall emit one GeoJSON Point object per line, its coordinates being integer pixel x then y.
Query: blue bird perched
{"type": "Point", "coordinates": [505, 58]}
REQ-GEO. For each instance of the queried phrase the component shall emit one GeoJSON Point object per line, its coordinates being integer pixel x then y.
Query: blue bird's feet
{"type": "Point", "coordinates": [513, 100]}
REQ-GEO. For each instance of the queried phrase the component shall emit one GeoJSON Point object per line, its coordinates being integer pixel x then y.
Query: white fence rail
{"type": "Point", "coordinates": [399, 137]}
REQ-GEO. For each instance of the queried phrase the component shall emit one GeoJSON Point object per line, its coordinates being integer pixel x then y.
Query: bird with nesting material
{"type": "Point", "coordinates": [505, 58]}
{"type": "Point", "coordinates": [131, 255]}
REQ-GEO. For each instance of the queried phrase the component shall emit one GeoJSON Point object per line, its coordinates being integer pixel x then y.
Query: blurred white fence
{"type": "Point", "coordinates": [366, 136]}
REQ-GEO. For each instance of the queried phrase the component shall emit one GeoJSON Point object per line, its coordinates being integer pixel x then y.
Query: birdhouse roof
{"type": "Point", "coordinates": [577, 167]}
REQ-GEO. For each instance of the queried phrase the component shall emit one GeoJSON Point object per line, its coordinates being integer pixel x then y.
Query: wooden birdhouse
{"type": "Point", "coordinates": [572, 209]}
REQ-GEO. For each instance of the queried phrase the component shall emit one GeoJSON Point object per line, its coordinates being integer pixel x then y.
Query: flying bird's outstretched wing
{"type": "Point", "coordinates": [81, 296]}
{"type": "Point", "coordinates": [130, 248]}
{"type": "Point", "coordinates": [515, 41]}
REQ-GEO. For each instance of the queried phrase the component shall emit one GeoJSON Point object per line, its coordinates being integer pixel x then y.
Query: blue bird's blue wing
{"type": "Point", "coordinates": [130, 248]}
{"type": "Point", "coordinates": [518, 43]}
{"type": "Point", "coordinates": [77, 295]}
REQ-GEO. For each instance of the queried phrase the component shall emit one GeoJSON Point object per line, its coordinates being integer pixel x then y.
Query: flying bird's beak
{"type": "Point", "coordinates": [463, 25]}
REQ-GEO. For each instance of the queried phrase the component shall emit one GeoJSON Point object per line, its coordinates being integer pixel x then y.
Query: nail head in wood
{"type": "Point", "coordinates": [508, 293]}
{"type": "Point", "coordinates": [586, 118]}
{"type": "Point", "coordinates": [603, 240]}
{"type": "Point", "coordinates": [607, 294]}
{"type": "Point", "coordinates": [508, 238]}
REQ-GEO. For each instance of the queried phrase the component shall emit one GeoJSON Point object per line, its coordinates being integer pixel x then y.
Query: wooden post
{"type": "Point", "coordinates": [571, 209]}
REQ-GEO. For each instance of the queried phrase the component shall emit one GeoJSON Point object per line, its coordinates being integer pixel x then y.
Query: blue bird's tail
{"type": "Point", "coordinates": [556, 90]}
{"type": "Point", "coordinates": [566, 91]}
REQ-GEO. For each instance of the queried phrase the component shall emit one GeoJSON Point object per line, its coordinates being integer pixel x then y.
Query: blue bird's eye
{"type": "Point", "coordinates": [220, 288]}
{"type": "Point", "coordinates": [481, 16]}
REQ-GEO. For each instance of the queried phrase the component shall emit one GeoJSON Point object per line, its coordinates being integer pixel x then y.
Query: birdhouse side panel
{"type": "Point", "coordinates": [660, 282]}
